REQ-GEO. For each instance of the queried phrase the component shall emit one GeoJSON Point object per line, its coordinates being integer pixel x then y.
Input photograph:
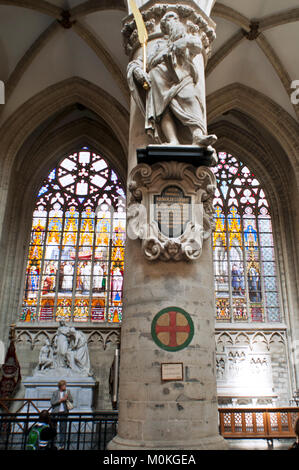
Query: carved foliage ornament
{"type": "Point", "coordinates": [196, 23]}
{"type": "Point", "coordinates": [171, 209]}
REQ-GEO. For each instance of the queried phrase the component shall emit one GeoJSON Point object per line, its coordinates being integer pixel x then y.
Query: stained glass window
{"type": "Point", "coordinates": [76, 255]}
{"type": "Point", "coordinates": [246, 284]}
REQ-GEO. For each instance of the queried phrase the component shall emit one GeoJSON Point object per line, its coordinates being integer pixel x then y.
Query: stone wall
{"type": "Point", "coordinates": [101, 345]}
{"type": "Point", "coordinates": [252, 368]}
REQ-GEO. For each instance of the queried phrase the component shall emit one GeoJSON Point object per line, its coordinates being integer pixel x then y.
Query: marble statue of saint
{"type": "Point", "coordinates": [78, 355]}
{"type": "Point", "coordinates": [46, 357]}
{"type": "Point", "coordinates": [175, 88]}
{"type": "Point", "coordinates": [62, 344]}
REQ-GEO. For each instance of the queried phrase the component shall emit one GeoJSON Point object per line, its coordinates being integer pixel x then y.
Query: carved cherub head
{"type": "Point", "coordinates": [172, 247]}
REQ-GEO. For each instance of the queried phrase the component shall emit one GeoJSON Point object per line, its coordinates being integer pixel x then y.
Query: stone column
{"type": "Point", "coordinates": [168, 284]}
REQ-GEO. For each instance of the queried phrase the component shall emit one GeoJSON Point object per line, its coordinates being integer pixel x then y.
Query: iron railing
{"type": "Point", "coordinates": [93, 431]}
{"type": "Point", "coordinates": [84, 431]}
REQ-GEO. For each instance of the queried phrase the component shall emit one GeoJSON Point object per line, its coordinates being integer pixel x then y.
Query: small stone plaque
{"type": "Point", "coordinates": [172, 371]}
{"type": "Point", "coordinates": [172, 211]}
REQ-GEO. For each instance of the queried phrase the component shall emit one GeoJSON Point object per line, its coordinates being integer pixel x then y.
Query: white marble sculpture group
{"type": "Point", "coordinates": [68, 353]}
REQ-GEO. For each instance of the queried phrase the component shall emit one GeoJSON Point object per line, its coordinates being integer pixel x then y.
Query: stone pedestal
{"type": "Point", "coordinates": [43, 385]}
{"type": "Point", "coordinates": [168, 318]}
{"type": "Point", "coordinates": [177, 414]}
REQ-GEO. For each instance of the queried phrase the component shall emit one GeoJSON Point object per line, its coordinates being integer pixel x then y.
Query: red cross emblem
{"type": "Point", "coordinates": [172, 329]}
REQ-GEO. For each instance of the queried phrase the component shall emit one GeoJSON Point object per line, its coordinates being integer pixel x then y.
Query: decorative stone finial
{"type": "Point", "coordinates": [65, 21]}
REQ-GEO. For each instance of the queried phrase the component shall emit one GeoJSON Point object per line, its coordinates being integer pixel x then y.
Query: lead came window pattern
{"type": "Point", "coordinates": [244, 261]}
{"type": "Point", "coordinates": [76, 255]}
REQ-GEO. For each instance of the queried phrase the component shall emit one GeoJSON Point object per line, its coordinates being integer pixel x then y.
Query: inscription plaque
{"type": "Point", "coordinates": [172, 211]}
{"type": "Point", "coordinates": [172, 371]}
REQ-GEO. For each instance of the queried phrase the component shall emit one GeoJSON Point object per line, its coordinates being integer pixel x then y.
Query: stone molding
{"type": "Point", "coordinates": [144, 182]}
{"type": "Point", "coordinates": [224, 51]}
{"type": "Point", "coordinates": [196, 21]}
{"type": "Point", "coordinates": [51, 100]}
{"type": "Point", "coordinates": [54, 142]}
{"type": "Point", "coordinates": [250, 338]}
{"type": "Point", "coordinates": [278, 179]}
{"type": "Point", "coordinates": [96, 335]}
{"type": "Point", "coordinates": [29, 57]}
{"type": "Point", "coordinates": [263, 110]}
{"type": "Point", "coordinates": [276, 185]}
{"type": "Point", "coordinates": [17, 159]}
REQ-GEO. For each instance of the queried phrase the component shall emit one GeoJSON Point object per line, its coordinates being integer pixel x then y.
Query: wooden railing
{"type": "Point", "coordinates": [257, 423]}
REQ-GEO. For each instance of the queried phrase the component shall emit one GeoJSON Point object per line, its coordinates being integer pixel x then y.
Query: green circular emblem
{"type": "Point", "coordinates": [172, 329]}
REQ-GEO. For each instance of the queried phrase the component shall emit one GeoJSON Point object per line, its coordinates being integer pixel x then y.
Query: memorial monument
{"type": "Point", "coordinates": [66, 357]}
{"type": "Point", "coordinates": [167, 395]}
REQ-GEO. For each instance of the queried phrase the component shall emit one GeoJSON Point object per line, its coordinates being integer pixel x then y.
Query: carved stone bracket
{"type": "Point", "coordinates": [145, 184]}
{"type": "Point", "coordinates": [192, 16]}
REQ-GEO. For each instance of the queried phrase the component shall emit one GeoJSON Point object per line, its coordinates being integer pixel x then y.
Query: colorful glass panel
{"type": "Point", "coordinates": [244, 259]}
{"type": "Point", "coordinates": [76, 253]}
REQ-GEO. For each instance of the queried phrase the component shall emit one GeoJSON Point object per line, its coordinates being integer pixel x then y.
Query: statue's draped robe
{"type": "Point", "coordinates": [173, 84]}
{"type": "Point", "coordinates": [79, 354]}
{"type": "Point", "coordinates": [62, 345]}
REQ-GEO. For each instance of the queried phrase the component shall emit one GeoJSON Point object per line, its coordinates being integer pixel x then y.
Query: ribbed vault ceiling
{"type": "Point", "coordinates": [43, 42]}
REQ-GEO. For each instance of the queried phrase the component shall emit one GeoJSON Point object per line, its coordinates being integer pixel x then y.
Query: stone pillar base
{"type": "Point", "coordinates": [206, 443]}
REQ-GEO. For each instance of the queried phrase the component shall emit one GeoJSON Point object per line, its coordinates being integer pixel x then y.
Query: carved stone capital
{"type": "Point", "coordinates": [194, 19]}
{"type": "Point", "coordinates": [146, 184]}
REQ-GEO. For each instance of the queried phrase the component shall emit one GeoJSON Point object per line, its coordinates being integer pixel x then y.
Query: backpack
{"type": "Point", "coordinates": [34, 441]}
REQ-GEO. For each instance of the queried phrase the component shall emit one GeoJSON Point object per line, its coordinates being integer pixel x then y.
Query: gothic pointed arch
{"type": "Point", "coordinates": [75, 261]}
{"type": "Point", "coordinates": [245, 268]}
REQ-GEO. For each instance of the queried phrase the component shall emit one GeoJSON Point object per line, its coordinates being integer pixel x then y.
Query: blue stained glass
{"type": "Point", "coordinates": [114, 177]}
{"type": "Point", "coordinates": [55, 224]}
{"type": "Point", "coordinates": [42, 191]}
{"type": "Point", "coordinates": [269, 269]}
{"type": "Point", "coordinates": [270, 283]}
{"type": "Point", "coordinates": [273, 314]}
{"type": "Point", "coordinates": [266, 239]}
{"type": "Point", "coordinates": [265, 225]}
{"type": "Point", "coordinates": [52, 175]}
{"type": "Point", "coordinates": [241, 206]}
{"type": "Point", "coordinates": [224, 188]}
{"type": "Point", "coordinates": [120, 192]}
{"type": "Point", "coordinates": [267, 254]}
{"type": "Point", "coordinates": [250, 233]}
{"type": "Point", "coordinates": [272, 299]}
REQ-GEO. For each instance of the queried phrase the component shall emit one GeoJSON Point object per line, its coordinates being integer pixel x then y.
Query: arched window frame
{"type": "Point", "coordinates": [225, 310]}
{"type": "Point", "coordinates": [104, 195]}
